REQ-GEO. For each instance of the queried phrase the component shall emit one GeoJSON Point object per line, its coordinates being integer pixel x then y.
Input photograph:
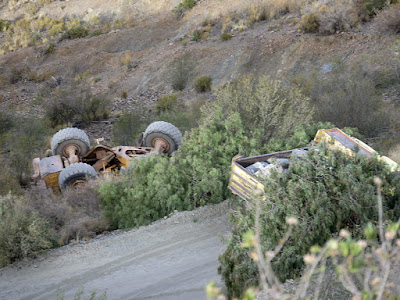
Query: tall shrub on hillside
{"type": "Point", "coordinates": [326, 192]}
{"type": "Point", "coordinates": [198, 173]}
{"type": "Point", "coordinates": [264, 104]}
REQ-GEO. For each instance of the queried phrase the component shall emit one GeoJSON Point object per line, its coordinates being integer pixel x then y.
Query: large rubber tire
{"type": "Point", "coordinates": [75, 172]}
{"type": "Point", "coordinates": [160, 129]}
{"type": "Point", "coordinates": [70, 136]}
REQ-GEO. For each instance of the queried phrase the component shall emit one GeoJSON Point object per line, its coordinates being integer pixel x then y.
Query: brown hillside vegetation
{"type": "Point", "coordinates": [139, 57]}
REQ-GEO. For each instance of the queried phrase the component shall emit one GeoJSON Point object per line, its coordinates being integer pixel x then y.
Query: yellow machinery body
{"type": "Point", "coordinates": [245, 185]}
{"type": "Point", "coordinates": [337, 139]}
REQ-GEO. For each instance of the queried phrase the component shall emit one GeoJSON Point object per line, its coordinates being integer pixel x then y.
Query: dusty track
{"type": "Point", "coordinates": [170, 259]}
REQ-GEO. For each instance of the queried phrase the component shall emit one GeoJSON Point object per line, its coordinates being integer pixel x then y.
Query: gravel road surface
{"type": "Point", "coordinates": [170, 259]}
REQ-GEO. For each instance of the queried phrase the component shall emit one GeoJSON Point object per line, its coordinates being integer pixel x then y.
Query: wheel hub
{"type": "Point", "coordinates": [160, 145]}
{"type": "Point", "coordinates": [77, 184]}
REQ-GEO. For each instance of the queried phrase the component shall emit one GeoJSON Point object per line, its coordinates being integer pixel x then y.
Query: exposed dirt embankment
{"type": "Point", "coordinates": [170, 259]}
{"type": "Point", "coordinates": [141, 60]}
{"type": "Point", "coordinates": [153, 48]}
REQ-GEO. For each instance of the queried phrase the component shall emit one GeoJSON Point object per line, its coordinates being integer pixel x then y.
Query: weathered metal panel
{"type": "Point", "coordinates": [337, 139]}
{"type": "Point", "coordinates": [244, 184]}
{"type": "Point", "coordinates": [50, 168]}
{"type": "Point", "coordinates": [50, 165]}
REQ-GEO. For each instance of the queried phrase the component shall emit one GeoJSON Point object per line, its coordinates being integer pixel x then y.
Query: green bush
{"type": "Point", "coordinates": [166, 102]}
{"type": "Point", "coordinates": [3, 25]}
{"type": "Point", "coordinates": [23, 233]}
{"type": "Point", "coordinates": [226, 36]}
{"type": "Point", "coordinates": [203, 84]}
{"type": "Point", "coordinates": [50, 49]}
{"type": "Point", "coordinates": [183, 7]}
{"type": "Point", "coordinates": [326, 191]}
{"type": "Point", "coordinates": [196, 175]}
{"type": "Point", "coordinates": [76, 32]}
{"type": "Point", "coordinates": [196, 36]}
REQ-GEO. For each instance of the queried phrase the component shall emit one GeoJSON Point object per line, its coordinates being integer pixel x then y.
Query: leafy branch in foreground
{"type": "Point", "coordinates": [363, 266]}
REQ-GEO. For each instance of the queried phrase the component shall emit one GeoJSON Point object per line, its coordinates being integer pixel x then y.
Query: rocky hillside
{"type": "Point", "coordinates": [132, 52]}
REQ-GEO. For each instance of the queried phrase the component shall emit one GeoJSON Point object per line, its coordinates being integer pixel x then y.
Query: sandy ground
{"type": "Point", "coordinates": [170, 259]}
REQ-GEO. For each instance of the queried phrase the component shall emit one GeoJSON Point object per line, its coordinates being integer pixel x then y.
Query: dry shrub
{"type": "Point", "coordinates": [23, 232]}
{"type": "Point", "coordinates": [340, 15]}
{"type": "Point", "coordinates": [394, 153]}
{"type": "Point", "coordinates": [279, 7]}
{"type": "Point", "coordinates": [234, 22]}
{"type": "Point", "coordinates": [126, 59]}
{"type": "Point", "coordinates": [181, 71]}
{"type": "Point", "coordinates": [258, 13]}
{"type": "Point", "coordinates": [76, 215]}
{"type": "Point", "coordinates": [309, 23]}
{"type": "Point", "coordinates": [265, 10]}
{"type": "Point", "coordinates": [76, 106]}
{"type": "Point", "coordinates": [389, 19]}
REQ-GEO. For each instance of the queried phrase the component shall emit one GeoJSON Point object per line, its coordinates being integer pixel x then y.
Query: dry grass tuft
{"type": "Point", "coordinates": [389, 19]}
{"type": "Point", "coordinates": [394, 153]}
{"type": "Point", "coordinates": [76, 216]}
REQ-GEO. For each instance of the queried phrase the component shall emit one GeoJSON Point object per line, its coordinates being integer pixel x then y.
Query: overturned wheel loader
{"type": "Point", "coordinates": [73, 161]}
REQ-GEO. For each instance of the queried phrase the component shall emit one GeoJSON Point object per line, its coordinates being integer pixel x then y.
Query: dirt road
{"type": "Point", "coordinates": [170, 259]}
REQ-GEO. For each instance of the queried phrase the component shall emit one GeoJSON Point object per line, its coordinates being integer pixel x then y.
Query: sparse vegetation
{"type": "Point", "coordinates": [364, 83]}
{"type": "Point", "coordinates": [264, 105]}
{"type": "Point", "coordinates": [79, 110]}
{"type": "Point", "coordinates": [389, 19]}
{"type": "Point", "coordinates": [182, 69]}
{"type": "Point", "coordinates": [21, 140]}
{"type": "Point", "coordinates": [126, 59]}
{"type": "Point", "coordinates": [374, 6]}
{"type": "Point", "coordinates": [76, 32]}
{"type": "Point", "coordinates": [182, 8]}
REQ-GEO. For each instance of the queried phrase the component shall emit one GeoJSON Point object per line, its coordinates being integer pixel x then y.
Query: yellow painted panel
{"type": "Point", "coordinates": [243, 183]}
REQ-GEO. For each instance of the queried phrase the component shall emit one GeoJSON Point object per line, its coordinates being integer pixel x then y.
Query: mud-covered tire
{"type": "Point", "coordinates": [160, 129]}
{"type": "Point", "coordinates": [70, 136]}
{"type": "Point", "coordinates": [74, 173]}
